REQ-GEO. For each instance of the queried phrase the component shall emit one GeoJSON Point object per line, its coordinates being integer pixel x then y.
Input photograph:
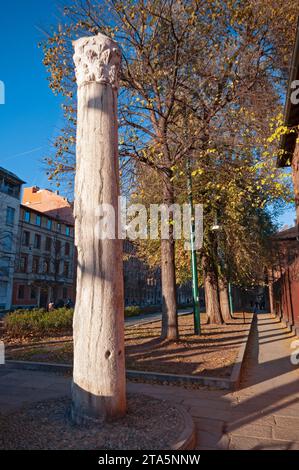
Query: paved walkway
{"type": "Point", "coordinates": [263, 414]}
{"type": "Point", "coordinates": [150, 317]}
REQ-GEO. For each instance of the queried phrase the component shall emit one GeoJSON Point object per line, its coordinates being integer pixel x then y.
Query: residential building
{"type": "Point", "coordinates": [49, 203]}
{"type": "Point", "coordinates": [45, 260]}
{"type": "Point", "coordinates": [142, 284]}
{"type": "Point", "coordinates": [10, 190]}
{"type": "Point", "coordinates": [38, 256]}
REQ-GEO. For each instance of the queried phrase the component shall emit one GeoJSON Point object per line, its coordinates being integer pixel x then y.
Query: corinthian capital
{"type": "Point", "coordinates": [97, 59]}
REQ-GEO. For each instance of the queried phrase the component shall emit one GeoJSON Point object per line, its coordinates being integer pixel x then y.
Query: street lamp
{"type": "Point", "coordinates": [195, 290]}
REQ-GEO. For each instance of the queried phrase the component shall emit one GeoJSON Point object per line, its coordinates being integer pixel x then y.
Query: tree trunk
{"type": "Point", "coordinates": [98, 389]}
{"type": "Point", "coordinates": [211, 292]}
{"type": "Point", "coordinates": [169, 299]}
{"type": "Point", "coordinates": [224, 300]}
{"type": "Point", "coordinates": [271, 292]}
{"type": "Point", "coordinates": [271, 298]}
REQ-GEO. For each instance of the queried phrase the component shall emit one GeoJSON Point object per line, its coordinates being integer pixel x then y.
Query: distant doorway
{"type": "Point", "coordinates": [43, 298]}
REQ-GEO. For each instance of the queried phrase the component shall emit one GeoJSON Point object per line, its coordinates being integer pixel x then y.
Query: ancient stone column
{"type": "Point", "coordinates": [98, 390]}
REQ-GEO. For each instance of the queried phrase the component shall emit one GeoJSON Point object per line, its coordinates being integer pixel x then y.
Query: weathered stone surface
{"type": "Point", "coordinates": [207, 439]}
{"type": "Point", "coordinates": [99, 369]}
{"type": "Point", "coordinates": [287, 421]}
{"type": "Point", "coordinates": [256, 443]}
{"type": "Point", "coordinates": [253, 430]}
{"type": "Point", "coordinates": [97, 59]}
{"type": "Point", "coordinates": [290, 433]}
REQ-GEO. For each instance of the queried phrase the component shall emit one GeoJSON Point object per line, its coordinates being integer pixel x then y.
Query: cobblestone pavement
{"type": "Point", "coordinates": [262, 414]}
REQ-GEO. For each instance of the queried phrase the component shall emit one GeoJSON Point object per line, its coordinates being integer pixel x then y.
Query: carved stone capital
{"type": "Point", "coordinates": [97, 59]}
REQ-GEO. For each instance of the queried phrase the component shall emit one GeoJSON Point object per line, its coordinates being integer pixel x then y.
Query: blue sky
{"type": "Point", "coordinates": [32, 115]}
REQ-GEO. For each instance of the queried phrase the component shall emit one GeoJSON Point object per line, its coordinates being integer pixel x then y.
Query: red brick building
{"type": "Point", "coordinates": [284, 278]}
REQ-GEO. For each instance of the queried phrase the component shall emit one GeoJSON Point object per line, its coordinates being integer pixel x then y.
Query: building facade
{"type": "Point", "coordinates": [142, 284]}
{"type": "Point", "coordinates": [284, 278]}
{"type": "Point", "coordinates": [45, 258]}
{"type": "Point", "coordinates": [38, 255]}
{"type": "Point", "coordinates": [10, 191]}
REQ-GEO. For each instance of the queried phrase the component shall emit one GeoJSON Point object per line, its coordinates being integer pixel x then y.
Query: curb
{"type": "Point", "coordinates": [230, 383]}
{"type": "Point", "coordinates": [174, 379]}
{"type": "Point", "coordinates": [235, 377]}
{"type": "Point", "coordinates": [130, 374]}
{"type": "Point", "coordinates": [187, 439]}
{"type": "Point", "coordinates": [292, 327]}
{"type": "Point", "coordinates": [39, 366]}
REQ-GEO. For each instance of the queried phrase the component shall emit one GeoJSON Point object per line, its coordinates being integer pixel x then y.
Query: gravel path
{"type": "Point", "coordinates": [150, 424]}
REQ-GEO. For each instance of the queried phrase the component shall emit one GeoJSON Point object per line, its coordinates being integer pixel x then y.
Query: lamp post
{"type": "Point", "coordinates": [195, 290]}
{"type": "Point", "coordinates": [230, 298]}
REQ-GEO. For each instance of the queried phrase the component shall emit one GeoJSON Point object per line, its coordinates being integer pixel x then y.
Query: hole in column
{"type": "Point", "coordinates": [107, 354]}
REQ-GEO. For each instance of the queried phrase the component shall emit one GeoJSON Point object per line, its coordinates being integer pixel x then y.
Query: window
{"type": "Point", "coordinates": [67, 249]}
{"type": "Point", "coordinates": [23, 264]}
{"type": "Point", "coordinates": [57, 247]}
{"type": "Point", "coordinates": [58, 227]}
{"type": "Point", "coordinates": [26, 238]}
{"type": "Point", "coordinates": [67, 231]}
{"type": "Point", "coordinates": [66, 269]}
{"type": "Point", "coordinates": [37, 241]}
{"type": "Point", "coordinates": [27, 216]}
{"type": "Point", "coordinates": [38, 220]}
{"type": "Point", "coordinates": [4, 266]}
{"type": "Point", "coordinates": [3, 288]}
{"type": "Point", "coordinates": [57, 267]}
{"type": "Point", "coordinates": [10, 188]}
{"type": "Point", "coordinates": [35, 264]}
{"type": "Point", "coordinates": [48, 244]}
{"type": "Point", "coordinates": [10, 215]}
{"type": "Point", "coordinates": [7, 242]}
{"type": "Point", "coordinates": [21, 292]}
{"type": "Point", "coordinates": [49, 224]}
{"type": "Point", "coordinates": [33, 293]}
{"type": "Point", "coordinates": [46, 266]}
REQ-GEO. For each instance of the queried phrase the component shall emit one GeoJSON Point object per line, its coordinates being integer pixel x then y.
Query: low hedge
{"type": "Point", "coordinates": [38, 322]}
{"type": "Point", "coordinates": [133, 311]}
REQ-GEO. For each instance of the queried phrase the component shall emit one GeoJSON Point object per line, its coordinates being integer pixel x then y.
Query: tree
{"type": "Point", "coordinates": [200, 66]}
{"type": "Point", "coordinates": [155, 39]}
{"type": "Point", "coordinates": [234, 107]}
